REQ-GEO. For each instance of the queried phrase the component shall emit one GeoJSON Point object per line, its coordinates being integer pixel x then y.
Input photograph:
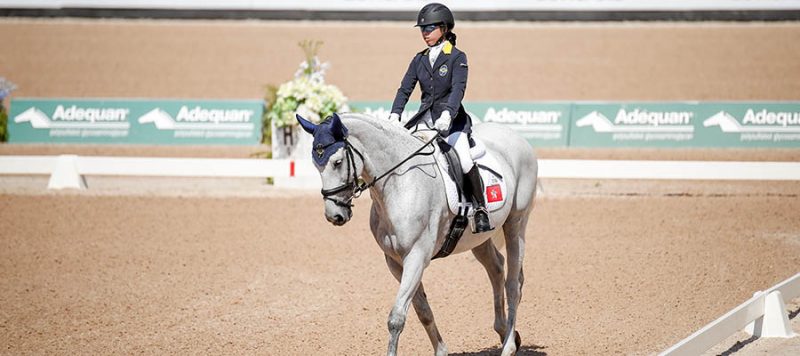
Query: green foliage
{"type": "Point", "coordinates": [271, 94]}
{"type": "Point", "coordinates": [3, 123]}
{"type": "Point", "coordinates": [6, 87]}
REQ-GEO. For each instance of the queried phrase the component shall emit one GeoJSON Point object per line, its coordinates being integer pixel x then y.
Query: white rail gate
{"type": "Point", "coordinates": [67, 171]}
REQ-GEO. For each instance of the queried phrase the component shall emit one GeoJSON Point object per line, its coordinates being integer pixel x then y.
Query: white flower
{"type": "Point", "coordinates": [307, 95]}
{"type": "Point", "coordinates": [308, 113]}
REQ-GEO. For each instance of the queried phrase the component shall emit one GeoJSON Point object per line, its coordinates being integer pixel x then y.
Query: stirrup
{"type": "Point", "coordinates": [479, 228]}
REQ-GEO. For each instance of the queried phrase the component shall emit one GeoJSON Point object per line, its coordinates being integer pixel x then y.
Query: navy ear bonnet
{"type": "Point", "coordinates": [329, 137]}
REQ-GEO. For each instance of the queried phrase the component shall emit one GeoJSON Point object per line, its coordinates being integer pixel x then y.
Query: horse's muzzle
{"type": "Point", "coordinates": [340, 218]}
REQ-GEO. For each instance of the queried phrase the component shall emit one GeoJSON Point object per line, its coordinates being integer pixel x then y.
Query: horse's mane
{"type": "Point", "coordinates": [388, 128]}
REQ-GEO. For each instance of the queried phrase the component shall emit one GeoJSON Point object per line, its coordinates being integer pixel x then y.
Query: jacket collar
{"type": "Point", "coordinates": [447, 49]}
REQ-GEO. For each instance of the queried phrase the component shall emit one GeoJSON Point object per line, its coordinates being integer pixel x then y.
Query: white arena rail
{"type": "Point", "coordinates": [138, 166]}
{"type": "Point", "coordinates": [694, 170]}
{"type": "Point", "coordinates": [764, 315]}
{"type": "Point", "coordinates": [67, 170]}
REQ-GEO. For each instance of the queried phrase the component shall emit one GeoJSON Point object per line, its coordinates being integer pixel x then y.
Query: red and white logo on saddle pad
{"type": "Point", "coordinates": [494, 193]}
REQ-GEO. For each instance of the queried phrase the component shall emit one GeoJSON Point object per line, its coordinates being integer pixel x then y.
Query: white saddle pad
{"type": "Point", "coordinates": [494, 186]}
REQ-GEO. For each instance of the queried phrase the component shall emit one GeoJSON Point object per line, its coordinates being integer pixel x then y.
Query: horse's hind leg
{"type": "Point", "coordinates": [423, 309]}
{"type": "Point", "coordinates": [514, 229]}
{"type": "Point", "coordinates": [492, 261]}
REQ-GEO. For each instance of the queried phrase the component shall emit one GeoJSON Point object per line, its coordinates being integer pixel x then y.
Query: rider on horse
{"type": "Point", "coordinates": [441, 70]}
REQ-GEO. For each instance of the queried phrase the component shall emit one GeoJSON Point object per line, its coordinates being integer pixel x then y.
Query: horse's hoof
{"type": "Point", "coordinates": [507, 350]}
{"type": "Point", "coordinates": [517, 339]}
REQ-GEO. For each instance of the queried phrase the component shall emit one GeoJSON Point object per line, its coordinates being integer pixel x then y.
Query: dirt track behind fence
{"type": "Point", "coordinates": [508, 61]}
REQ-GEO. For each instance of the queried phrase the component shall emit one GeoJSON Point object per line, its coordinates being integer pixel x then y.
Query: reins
{"type": "Point", "coordinates": [360, 188]}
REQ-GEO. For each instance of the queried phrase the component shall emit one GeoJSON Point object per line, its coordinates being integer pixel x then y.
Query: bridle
{"type": "Point", "coordinates": [356, 187]}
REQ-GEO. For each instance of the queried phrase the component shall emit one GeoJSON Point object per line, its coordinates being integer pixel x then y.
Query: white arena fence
{"type": "Point", "coordinates": [67, 171]}
{"type": "Point", "coordinates": [764, 315]}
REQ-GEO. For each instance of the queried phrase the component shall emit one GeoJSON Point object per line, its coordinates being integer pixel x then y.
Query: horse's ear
{"type": "Point", "coordinates": [337, 128]}
{"type": "Point", "coordinates": [308, 126]}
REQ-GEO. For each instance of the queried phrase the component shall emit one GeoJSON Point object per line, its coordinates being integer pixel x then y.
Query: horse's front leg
{"type": "Point", "coordinates": [423, 309]}
{"type": "Point", "coordinates": [413, 265]}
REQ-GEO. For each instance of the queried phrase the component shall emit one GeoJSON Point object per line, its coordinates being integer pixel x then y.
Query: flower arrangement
{"type": "Point", "coordinates": [307, 94]}
{"type": "Point", "coordinates": [6, 87]}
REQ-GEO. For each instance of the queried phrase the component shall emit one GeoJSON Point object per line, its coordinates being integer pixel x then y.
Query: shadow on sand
{"type": "Point", "coordinates": [525, 350]}
{"type": "Point", "coordinates": [738, 346]}
{"type": "Point", "coordinates": [793, 314]}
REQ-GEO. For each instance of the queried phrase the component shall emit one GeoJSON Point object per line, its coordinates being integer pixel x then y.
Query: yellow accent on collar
{"type": "Point", "coordinates": [448, 47]}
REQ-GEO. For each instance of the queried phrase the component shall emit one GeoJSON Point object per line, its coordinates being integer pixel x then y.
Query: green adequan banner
{"type": "Point", "coordinates": [635, 124]}
{"type": "Point", "coordinates": [542, 124]}
{"type": "Point", "coordinates": [136, 121]}
{"type": "Point", "coordinates": [750, 124]}
{"type": "Point", "coordinates": [690, 124]}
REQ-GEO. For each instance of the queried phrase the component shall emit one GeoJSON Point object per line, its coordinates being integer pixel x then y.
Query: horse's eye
{"type": "Point", "coordinates": [337, 163]}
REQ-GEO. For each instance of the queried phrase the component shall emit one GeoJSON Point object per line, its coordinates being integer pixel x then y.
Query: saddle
{"type": "Point", "coordinates": [457, 191]}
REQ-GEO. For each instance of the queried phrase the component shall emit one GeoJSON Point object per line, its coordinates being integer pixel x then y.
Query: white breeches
{"type": "Point", "coordinates": [458, 140]}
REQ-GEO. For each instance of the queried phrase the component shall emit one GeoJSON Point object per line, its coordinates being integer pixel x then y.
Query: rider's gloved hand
{"type": "Point", "coordinates": [394, 117]}
{"type": "Point", "coordinates": [443, 123]}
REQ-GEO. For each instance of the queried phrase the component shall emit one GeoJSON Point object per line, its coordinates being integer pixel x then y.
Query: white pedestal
{"type": "Point", "coordinates": [294, 143]}
{"type": "Point", "coordinates": [65, 175]}
{"type": "Point", "coordinates": [775, 322]}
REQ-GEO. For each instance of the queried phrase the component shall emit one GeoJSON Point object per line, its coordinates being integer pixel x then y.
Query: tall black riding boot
{"type": "Point", "coordinates": [482, 223]}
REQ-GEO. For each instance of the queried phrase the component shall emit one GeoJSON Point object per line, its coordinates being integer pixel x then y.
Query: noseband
{"type": "Point", "coordinates": [354, 185]}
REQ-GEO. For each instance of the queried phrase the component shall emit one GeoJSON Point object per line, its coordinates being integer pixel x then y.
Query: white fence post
{"type": "Point", "coordinates": [775, 321]}
{"type": "Point", "coordinates": [66, 175]}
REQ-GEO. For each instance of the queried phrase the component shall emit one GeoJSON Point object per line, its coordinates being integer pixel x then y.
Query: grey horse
{"type": "Point", "coordinates": [410, 217]}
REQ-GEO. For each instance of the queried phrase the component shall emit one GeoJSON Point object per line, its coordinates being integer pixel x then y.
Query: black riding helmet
{"type": "Point", "coordinates": [435, 13]}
